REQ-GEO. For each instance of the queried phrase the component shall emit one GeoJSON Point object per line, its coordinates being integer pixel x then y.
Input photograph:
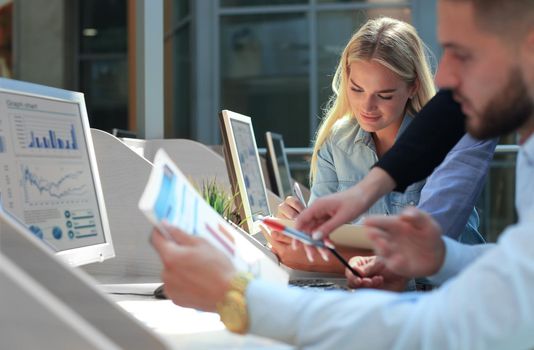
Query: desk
{"type": "Point", "coordinates": [187, 328]}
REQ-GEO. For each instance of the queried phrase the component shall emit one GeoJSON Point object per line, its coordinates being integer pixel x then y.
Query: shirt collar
{"type": "Point", "coordinates": [363, 137]}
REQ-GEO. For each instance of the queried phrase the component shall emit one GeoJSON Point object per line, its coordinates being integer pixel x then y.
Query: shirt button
{"type": "Point", "coordinates": [411, 203]}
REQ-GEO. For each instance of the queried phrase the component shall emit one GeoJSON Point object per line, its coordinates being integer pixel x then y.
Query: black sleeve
{"type": "Point", "coordinates": [425, 143]}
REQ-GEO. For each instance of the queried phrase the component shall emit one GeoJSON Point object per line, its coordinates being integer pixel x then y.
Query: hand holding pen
{"type": "Point", "coordinates": [298, 193]}
{"type": "Point", "coordinates": [292, 206]}
{"type": "Point", "coordinates": [307, 241]}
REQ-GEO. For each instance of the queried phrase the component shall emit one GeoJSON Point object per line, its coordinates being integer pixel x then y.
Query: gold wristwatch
{"type": "Point", "coordinates": [233, 308]}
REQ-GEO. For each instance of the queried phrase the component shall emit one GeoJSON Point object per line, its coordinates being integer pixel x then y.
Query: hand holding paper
{"type": "Point", "coordinates": [170, 198]}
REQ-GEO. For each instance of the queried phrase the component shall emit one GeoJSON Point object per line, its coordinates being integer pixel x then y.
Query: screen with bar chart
{"type": "Point", "coordinates": [48, 175]}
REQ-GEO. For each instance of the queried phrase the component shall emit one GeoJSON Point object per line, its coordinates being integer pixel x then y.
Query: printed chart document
{"type": "Point", "coordinates": [169, 196]}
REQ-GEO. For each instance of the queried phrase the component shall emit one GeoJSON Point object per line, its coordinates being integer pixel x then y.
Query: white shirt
{"type": "Point", "coordinates": [488, 305]}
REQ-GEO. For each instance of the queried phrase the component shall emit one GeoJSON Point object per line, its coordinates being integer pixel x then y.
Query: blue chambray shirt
{"type": "Point", "coordinates": [346, 158]}
{"type": "Point", "coordinates": [449, 195]}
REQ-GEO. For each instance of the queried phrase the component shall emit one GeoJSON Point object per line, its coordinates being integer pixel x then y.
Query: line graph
{"type": "Point", "coordinates": [46, 184]}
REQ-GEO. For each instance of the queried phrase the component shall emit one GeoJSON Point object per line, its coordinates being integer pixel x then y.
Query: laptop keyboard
{"type": "Point", "coordinates": [317, 283]}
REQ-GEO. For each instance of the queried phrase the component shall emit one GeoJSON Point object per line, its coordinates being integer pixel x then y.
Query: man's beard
{"type": "Point", "coordinates": [506, 112]}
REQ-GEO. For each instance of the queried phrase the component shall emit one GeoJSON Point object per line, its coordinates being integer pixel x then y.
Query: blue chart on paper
{"type": "Point", "coordinates": [173, 208]}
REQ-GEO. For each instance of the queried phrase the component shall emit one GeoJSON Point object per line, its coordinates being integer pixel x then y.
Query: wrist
{"type": "Point", "coordinates": [232, 308]}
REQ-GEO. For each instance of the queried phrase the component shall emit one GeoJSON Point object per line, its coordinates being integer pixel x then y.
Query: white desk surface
{"type": "Point", "coordinates": [185, 328]}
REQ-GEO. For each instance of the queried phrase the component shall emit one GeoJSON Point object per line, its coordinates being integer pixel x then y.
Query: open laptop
{"type": "Point", "coordinates": [251, 196]}
{"type": "Point", "coordinates": [277, 165]}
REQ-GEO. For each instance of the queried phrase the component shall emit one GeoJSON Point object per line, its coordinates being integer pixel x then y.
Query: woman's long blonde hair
{"type": "Point", "coordinates": [395, 45]}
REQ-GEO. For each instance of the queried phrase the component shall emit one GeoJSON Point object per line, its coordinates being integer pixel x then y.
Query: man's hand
{"type": "Point", "coordinates": [195, 273]}
{"type": "Point", "coordinates": [374, 275]}
{"type": "Point", "coordinates": [409, 244]}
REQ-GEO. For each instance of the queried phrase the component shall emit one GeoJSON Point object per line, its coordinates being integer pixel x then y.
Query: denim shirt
{"type": "Point", "coordinates": [449, 194]}
{"type": "Point", "coordinates": [346, 158]}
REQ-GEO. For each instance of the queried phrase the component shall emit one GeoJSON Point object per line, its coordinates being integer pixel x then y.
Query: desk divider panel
{"type": "Point", "coordinates": [199, 162]}
{"type": "Point", "coordinates": [32, 318]}
{"type": "Point", "coordinates": [123, 174]}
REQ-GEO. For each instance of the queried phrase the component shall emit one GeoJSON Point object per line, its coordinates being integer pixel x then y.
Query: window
{"type": "Point", "coordinates": [103, 65]}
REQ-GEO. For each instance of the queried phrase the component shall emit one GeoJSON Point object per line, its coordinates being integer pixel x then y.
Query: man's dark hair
{"type": "Point", "coordinates": [508, 18]}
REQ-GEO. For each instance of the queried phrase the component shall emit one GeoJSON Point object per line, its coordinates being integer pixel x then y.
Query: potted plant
{"type": "Point", "coordinates": [220, 201]}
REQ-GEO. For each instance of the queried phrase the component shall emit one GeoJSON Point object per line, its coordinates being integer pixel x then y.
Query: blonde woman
{"type": "Point", "coordinates": [382, 81]}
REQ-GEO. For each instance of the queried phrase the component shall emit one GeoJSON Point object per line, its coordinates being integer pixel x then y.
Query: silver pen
{"type": "Point", "coordinates": [298, 193]}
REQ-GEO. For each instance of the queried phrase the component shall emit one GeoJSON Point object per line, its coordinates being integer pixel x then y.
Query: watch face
{"type": "Point", "coordinates": [233, 312]}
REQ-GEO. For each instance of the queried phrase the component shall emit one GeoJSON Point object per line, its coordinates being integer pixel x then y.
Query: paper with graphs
{"type": "Point", "coordinates": [170, 197]}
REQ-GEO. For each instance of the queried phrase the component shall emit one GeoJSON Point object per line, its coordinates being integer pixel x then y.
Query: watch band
{"type": "Point", "coordinates": [233, 308]}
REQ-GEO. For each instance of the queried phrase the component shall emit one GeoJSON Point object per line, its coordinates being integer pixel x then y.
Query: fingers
{"type": "Point", "coordinates": [329, 225]}
{"type": "Point", "coordinates": [266, 233]}
{"type": "Point", "coordinates": [310, 252]}
{"type": "Point", "coordinates": [166, 249]}
{"type": "Point", "coordinates": [421, 220]}
{"type": "Point", "coordinates": [364, 266]}
{"type": "Point", "coordinates": [416, 217]}
{"type": "Point", "coordinates": [289, 208]}
{"type": "Point", "coordinates": [323, 253]}
{"type": "Point", "coordinates": [280, 237]}
{"type": "Point", "coordinates": [383, 246]}
{"type": "Point", "coordinates": [310, 218]}
{"type": "Point", "coordinates": [159, 241]}
{"type": "Point", "coordinates": [375, 282]}
{"type": "Point", "coordinates": [177, 234]}
{"type": "Point", "coordinates": [294, 244]}
{"type": "Point", "coordinates": [388, 224]}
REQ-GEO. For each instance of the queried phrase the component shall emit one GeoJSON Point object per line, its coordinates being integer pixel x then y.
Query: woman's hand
{"type": "Point", "coordinates": [295, 257]}
{"type": "Point", "coordinates": [374, 275]}
{"type": "Point", "coordinates": [290, 208]}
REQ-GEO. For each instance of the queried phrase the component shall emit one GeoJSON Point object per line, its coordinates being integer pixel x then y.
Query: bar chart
{"type": "Point", "coordinates": [50, 140]}
{"type": "Point", "coordinates": [46, 136]}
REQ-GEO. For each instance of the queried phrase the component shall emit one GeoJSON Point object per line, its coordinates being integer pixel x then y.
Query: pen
{"type": "Point", "coordinates": [298, 192]}
{"type": "Point", "coordinates": [306, 239]}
